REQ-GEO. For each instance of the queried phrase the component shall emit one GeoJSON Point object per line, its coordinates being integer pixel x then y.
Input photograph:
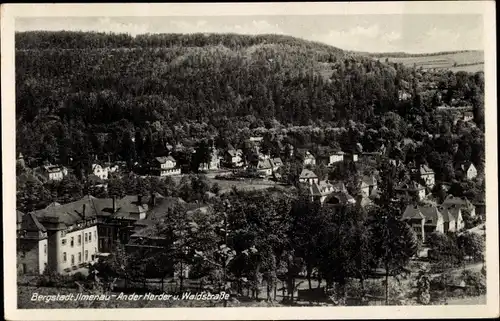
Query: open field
{"type": "Point", "coordinates": [471, 61]}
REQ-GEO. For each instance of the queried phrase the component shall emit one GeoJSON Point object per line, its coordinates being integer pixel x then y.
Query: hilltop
{"type": "Point", "coordinates": [71, 86]}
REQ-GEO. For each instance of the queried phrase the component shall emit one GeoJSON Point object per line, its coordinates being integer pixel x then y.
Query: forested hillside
{"type": "Point", "coordinates": [86, 94]}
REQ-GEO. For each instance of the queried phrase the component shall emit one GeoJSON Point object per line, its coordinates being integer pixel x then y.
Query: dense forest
{"type": "Point", "coordinates": [81, 95]}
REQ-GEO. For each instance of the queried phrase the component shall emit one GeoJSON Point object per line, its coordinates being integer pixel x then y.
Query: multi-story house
{"type": "Point", "coordinates": [336, 157]}
{"type": "Point", "coordinates": [467, 169]}
{"type": "Point", "coordinates": [412, 189]}
{"type": "Point", "coordinates": [308, 177]}
{"type": "Point", "coordinates": [234, 158]}
{"type": "Point", "coordinates": [424, 220]}
{"type": "Point", "coordinates": [264, 167]}
{"type": "Point", "coordinates": [117, 218]}
{"type": "Point", "coordinates": [165, 166]}
{"type": "Point", "coordinates": [427, 175]}
{"type": "Point", "coordinates": [307, 157]}
{"type": "Point", "coordinates": [368, 186]}
{"type": "Point", "coordinates": [62, 238]}
{"type": "Point", "coordinates": [52, 172]}
{"type": "Point", "coordinates": [100, 171]}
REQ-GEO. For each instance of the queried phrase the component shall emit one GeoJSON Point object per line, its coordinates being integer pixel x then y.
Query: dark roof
{"type": "Point", "coordinates": [31, 223]}
{"type": "Point", "coordinates": [428, 212]}
{"type": "Point", "coordinates": [460, 201]}
{"type": "Point", "coordinates": [130, 204]}
{"type": "Point", "coordinates": [72, 213]}
{"type": "Point", "coordinates": [264, 164]}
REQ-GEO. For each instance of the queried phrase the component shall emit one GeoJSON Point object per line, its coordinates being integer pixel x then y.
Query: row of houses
{"type": "Point", "coordinates": [444, 218]}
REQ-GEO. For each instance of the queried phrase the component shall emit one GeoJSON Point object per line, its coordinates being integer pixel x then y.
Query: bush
{"type": "Point", "coordinates": [475, 282]}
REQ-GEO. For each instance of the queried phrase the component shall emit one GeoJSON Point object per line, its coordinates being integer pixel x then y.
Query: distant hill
{"type": "Point", "coordinates": [465, 60]}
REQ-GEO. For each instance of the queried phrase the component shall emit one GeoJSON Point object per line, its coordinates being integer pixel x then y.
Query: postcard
{"type": "Point", "coordinates": [249, 161]}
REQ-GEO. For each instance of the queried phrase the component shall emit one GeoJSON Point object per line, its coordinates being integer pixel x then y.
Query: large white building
{"type": "Point", "coordinates": [165, 166]}
{"type": "Point", "coordinates": [62, 238]}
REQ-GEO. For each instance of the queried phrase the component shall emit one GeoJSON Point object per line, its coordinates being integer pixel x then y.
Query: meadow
{"type": "Point", "coordinates": [470, 61]}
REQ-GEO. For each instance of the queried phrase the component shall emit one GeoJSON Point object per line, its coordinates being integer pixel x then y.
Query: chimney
{"type": "Point", "coordinates": [83, 210]}
{"type": "Point", "coordinates": [114, 204]}
{"type": "Point", "coordinates": [139, 199]}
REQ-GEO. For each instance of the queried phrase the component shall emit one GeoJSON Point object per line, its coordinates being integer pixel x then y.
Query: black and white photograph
{"type": "Point", "coordinates": [228, 156]}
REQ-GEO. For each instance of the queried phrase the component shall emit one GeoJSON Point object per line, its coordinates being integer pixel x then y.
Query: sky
{"type": "Point", "coordinates": [413, 33]}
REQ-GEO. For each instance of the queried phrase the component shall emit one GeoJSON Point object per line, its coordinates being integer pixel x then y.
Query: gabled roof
{"type": "Point", "coordinates": [72, 213]}
{"type": "Point", "coordinates": [460, 201]}
{"type": "Point", "coordinates": [31, 223]}
{"type": "Point", "coordinates": [464, 166]}
{"type": "Point", "coordinates": [277, 161]}
{"type": "Point", "coordinates": [164, 159]}
{"type": "Point", "coordinates": [306, 174]}
{"type": "Point", "coordinates": [321, 189]}
{"type": "Point", "coordinates": [130, 204]}
{"type": "Point", "coordinates": [264, 164]}
{"type": "Point", "coordinates": [412, 212]}
{"type": "Point", "coordinates": [430, 213]}
{"type": "Point", "coordinates": [424, 169]}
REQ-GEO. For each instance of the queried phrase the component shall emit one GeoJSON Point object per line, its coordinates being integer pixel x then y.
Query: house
{"type": "Point", "coordinates": [467, 169]}
{"type": "Point", "coordinates": [308, 158]}
{"type": "Point", "coordinates": [339, 199]}
{"type": "Point", "coordinates": [320, 190]}
{"type": "Point", "coordinates": [424, 220]}
{"type": "Point", "coordinates": [100, 171]}
{"type": "Point", "coordinates": [461, 202]}
{"type": "Point", "coordinates": [214, 162]}
{"type": "Point", "coordinates": [368, 186]}
{"type": "Point", "coordinates": [403, 95]}
{"type": "Point", "coordinates": [256, 140]}
{"type": "Point", "coordinates": [53, 172]}
{"type": "Point", "coordinates": [276, 163]}
{"type": "Point", "coordinates": [20, 161]}
{"type": "Point", "coordinates": [117, 217]}
{"type": "Point", "coordinates": [147, 239]}
{"type": "Point", "coordinates": [412, 189]}
{"type": "Point", "coordinates": [264, 167]}
{"type": "Point", "coordinates": [452, 216]}
{"type": "Point", "coordinates": [353, 157]}
{"type": "Point", "coordinates": [427, 175]}
{"type": "Point", "coordinates": [467, 116]}
{"type": "Point", "coordinates": [234, 157]}
{"type": "Point", "coordinates": [336, 158]}
{"type": "Point", "coordinates": [60, 237]}
{"type": "Point", "coordinates": [308, 177]}
{"type": "Point", "coordinates": [165, 166]}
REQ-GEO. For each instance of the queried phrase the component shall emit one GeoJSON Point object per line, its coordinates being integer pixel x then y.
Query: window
{"type": "Point", "coordinates": [45, 248]}
{"type": "Point", "coordinates": [86, 255]}
{"type": "Point", "coordinates": [86, 238]}
{"type": "Point", "coordinates": [64, 257]}
{"type": "Point", "coordinates": [72, 259]}
{"type": "Point", "coordinates": [79, 240]}
{"type": "Point", "coordinates": [72, 243]}
{"type": "Point", "coordinates": [90, 237]}
{"type": "Point", "coordinates": [63, 241]}
{"type": "Point", "coordinates": [79, 257]}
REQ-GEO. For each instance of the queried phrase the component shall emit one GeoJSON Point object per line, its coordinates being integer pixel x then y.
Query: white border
{"type": "Point", "coordinates": [8, 14]}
